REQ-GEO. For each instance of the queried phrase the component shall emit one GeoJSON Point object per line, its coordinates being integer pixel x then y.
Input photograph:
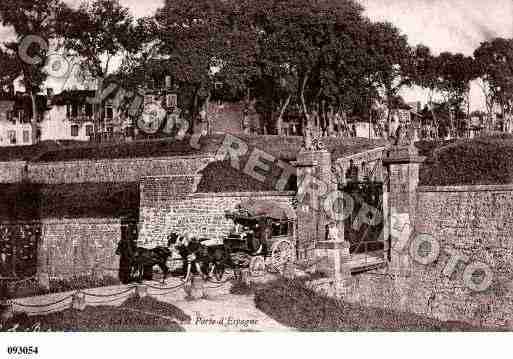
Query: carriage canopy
{"type": "Point", "coordinates": [252, 209]}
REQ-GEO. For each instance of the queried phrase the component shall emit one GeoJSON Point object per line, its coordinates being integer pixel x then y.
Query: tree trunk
{"type": "Point", "coordinates": [329, 122]}
{"type": "Point", "coordinates": [97, 108]}
{"type": "Point", "coordinates": [33, 120]}
{"type": "Point", "coordinates": [389, 118]}
{"type": "Point", "coordinates": [194, 111]}
{"type": "Point", "coordinates": [435, 122]}
{"type": "Point", "coordinates": [307, 124]}
{"type": "Point", "coordinates": [207, 116]}
{"type": "Point", "coordinates": [279, 121]}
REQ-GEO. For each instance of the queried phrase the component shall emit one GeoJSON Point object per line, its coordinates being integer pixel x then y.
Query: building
{"type": "Point", "coordinates": [71, 116]}
{"type": "Point", "coordinates": [15, 119]}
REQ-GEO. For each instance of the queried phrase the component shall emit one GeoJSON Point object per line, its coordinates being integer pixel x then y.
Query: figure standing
{"type": "Point", "coordinates": [125, 251]}
{"type": "Point", "coordinates": [352, 172]}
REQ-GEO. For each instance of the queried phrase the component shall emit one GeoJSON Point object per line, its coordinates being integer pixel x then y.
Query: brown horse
{"type": "Point", "coordinates": [136, 262]}
{"type": "Point", "coordinates": [209, 260]}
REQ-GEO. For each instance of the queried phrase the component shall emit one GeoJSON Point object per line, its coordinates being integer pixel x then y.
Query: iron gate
{"type": "Point", "coordinates": [365, 237]}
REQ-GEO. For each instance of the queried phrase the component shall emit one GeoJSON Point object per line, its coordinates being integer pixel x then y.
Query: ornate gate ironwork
{"type": "Point", "coordinates": [363, 228]}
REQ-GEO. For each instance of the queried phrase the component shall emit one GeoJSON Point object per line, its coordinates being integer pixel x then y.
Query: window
{"type": "Point", "coordinates": [171, 100]}
{"type": "Point", "coordinates": [89, 110]}
{"type": "Point", "coordinates": [89, 130]}
{"type": "Point", "coordinates": [109, 113]}
{"type": "Point", "coordinates": [21, 116]}
{"type": "Point", "coordinates": [74, 110]}
{"type": "Point", "coordinates": [26, 136]}
{"type": "Point", "coordinates": [74, 131]}
{"type": "Point", "coordinates": [12, 137]}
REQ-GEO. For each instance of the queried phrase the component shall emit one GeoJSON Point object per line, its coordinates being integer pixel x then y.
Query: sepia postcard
{"type": "Point", "coordinates": [276, 166]}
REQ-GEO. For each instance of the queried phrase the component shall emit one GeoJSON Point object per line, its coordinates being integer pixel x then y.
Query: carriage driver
{"type": "Point", "coordinates": [254, 244]}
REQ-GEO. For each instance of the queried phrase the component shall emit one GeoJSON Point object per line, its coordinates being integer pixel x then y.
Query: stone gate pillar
{"type": "Point", "coordinates": [331, 255]}
{"type": "Point", "coordinates": [402, 163]}
{"type": "Point", "coordinates": [315, 181]}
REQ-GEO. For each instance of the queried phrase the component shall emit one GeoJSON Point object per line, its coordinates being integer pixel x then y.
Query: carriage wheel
{"type": "Point", "coordinates": [281, 254]}
{"type": "Point", "coordinates": [257, 266]}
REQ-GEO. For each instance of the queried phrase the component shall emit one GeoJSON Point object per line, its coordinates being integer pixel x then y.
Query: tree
{"type": "Point", "coordinates": [426, 76]}
{"type": "Point", "coordinates": [494, 63]}
{"type": "Point", "coordinates": [305, 57]}
{"type": "Point", "coordinates": [453, 75]}
{"type": "Point", "coordinates": [199, 44]}
{"type": "Point", "coordinates": [35, 23]}
{"type": "Point", "coordinates": [97, 32]}
{"type": "Point", "coordinates": [9, 68]}
{"type": "Point", "coordinates": [391, 58]}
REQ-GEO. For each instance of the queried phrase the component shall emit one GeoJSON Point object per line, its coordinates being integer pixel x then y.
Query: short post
{"type": "Point", "coordinates": [78, 301]}
{"type": "Point", "coordinates": [195, 290]}
{"type": "Point", "coordinates": [43, 280]}
{"type": "Point", "coordinates": [141, 290]}
{"type": "Point", "coordinates": [332, 259]}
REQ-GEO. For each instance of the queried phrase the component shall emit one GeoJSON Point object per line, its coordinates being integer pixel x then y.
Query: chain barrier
{"type": "Point", "coordinates": [44, 312]}
{"type": "Point", "coordinates": [163, 293]}
{"type": "Point", "coordinates": [219, 283]}
{"type": "Point", "coordinates": [41, 305]}
{"type": "Point", "coordinates": [94, 295]}
{"type": "Point", "coordinates": [111, 297]}
{"type": "Point", "coordinates": [100, 302]}
{"type": "Point", "coordinates": [164, 288]}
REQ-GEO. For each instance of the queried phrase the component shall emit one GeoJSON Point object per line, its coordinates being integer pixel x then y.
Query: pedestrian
{"type": "Point", "coordinates": [125, 251]}
{"type": "Point", "coordinates": [352, 172]}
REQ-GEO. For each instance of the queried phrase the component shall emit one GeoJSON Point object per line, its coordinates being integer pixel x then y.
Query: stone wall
{"type": "Point", "coordinates": [472, 222]}
{"type": "Point", "coordinates": [78, 247]}
{"type": "Point", "coordinates": [475, 222]}
{"type": "Point", "coordinates": [114, 170]}
{"type": "Point", "coordinates": [11, 172]}
{"type": "Point", "coordinates": [166, 207]}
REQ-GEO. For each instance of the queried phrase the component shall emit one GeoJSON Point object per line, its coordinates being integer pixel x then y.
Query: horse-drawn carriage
{"type": "Point", "coordinates": [263, 238]}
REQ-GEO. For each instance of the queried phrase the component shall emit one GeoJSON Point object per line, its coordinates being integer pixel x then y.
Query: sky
{"type": "Point", "coordinates": [443, 25]}
{"type": "Point", "coordinates": [446, 25]}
